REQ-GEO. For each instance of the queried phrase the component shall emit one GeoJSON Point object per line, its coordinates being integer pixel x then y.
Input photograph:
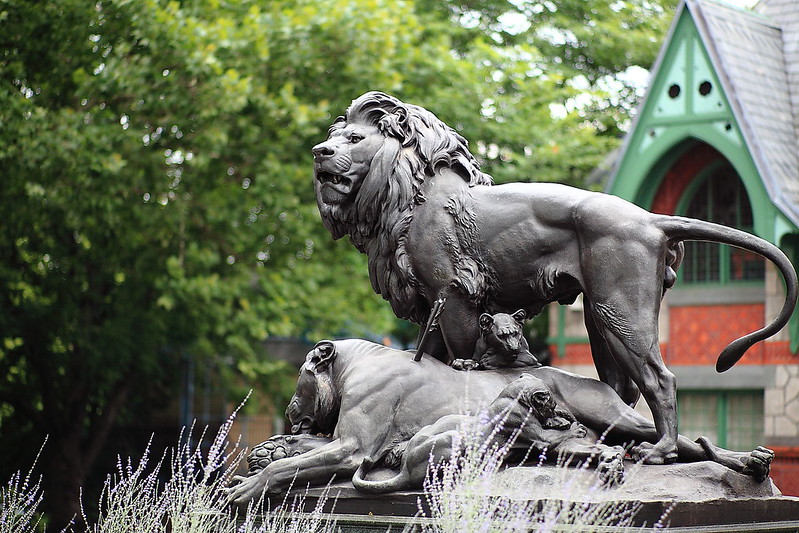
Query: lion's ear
{"type": "Point", "coordinates": [320, 358]}
{"type": "Point", "coordinates": [485, 321]}
{"type": "Point", "coordinates": [519, 316]}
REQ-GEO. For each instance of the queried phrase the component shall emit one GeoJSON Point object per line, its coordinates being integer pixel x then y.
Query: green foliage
{"type": "Point", "coordinates": [156, 178]}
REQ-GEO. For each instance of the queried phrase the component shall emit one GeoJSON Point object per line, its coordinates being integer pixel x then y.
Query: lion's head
{"type": "Point", "coordinates": [368, 176]}
{"type": "Point", "coordinates": [376, 157]}
{"type": "Point", "coordinates": [314, 407]}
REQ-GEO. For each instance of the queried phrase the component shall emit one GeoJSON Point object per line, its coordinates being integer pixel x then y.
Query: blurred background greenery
{"type": "Point", "coordinates": [158, 218]}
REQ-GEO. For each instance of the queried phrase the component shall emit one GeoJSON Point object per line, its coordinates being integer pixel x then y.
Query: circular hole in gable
{"type": "Point", "coordinates": [674, 91]}
{"type": "Point", "coordinates": [705, 87]}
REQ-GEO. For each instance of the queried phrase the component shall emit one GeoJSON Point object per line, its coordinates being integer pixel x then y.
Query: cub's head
{"type": "Point", "coordinates": [533, 395]}
{"type": "Point", "coordinates": [504, 332]}
{"type": "Point", "coordinates": [314, 407]}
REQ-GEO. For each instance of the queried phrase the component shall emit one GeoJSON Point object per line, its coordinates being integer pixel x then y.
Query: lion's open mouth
{"type": "Point", "coordinates": [303, 427]}
{"type": "Point", "coordinates": [329, 177]}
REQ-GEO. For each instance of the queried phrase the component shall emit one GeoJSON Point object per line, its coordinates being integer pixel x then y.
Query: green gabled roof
{"type": "Point", "coordinates": [720, 79]}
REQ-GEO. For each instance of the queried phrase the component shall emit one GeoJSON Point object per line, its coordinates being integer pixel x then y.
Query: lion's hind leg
{"type": "Point", "coordinates": [624, 303]}
{"type": "Point", "coordinates": [607, 369]}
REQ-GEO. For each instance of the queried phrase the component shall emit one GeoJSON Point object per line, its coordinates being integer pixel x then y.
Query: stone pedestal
{"type": "Point", "coordinates": [702, 497]}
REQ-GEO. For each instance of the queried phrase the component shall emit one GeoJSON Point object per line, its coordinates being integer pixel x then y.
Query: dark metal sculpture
{"type": "Point", "coordinates": [502, 343]}
{"type": "Point", "coordinates": [342, 380]}
{"type": "Point", "coordinates": [524, 416]}
{"type": "Point", "coordinates": [405, 188]}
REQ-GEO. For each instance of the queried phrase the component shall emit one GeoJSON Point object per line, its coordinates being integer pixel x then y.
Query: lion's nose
{"type": "Point", "coordinates": [322, 150]}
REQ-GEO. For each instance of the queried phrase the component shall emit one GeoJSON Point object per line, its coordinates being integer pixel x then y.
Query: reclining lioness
{"type": "Point", "coordinates": [368, 397]}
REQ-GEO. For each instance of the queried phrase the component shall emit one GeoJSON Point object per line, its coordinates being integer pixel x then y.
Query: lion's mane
{"type": "Point", "coordinates": [417, 145]}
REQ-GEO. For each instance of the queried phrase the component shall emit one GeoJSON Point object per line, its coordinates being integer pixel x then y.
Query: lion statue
{"type": "Point", "coordinates": [524, 416]}
{"type": "Point", "coordinates": [342, 380]}
{"type": "Point", "coordinates": [405, 188]}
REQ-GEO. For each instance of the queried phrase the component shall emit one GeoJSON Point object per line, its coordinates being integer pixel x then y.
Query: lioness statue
{"type": "Point", "coordinates": [524, 416]}
{"type": "Point", "coordinates": [405, 188]}
{"type": "Point", "coordinates": [369, 398]}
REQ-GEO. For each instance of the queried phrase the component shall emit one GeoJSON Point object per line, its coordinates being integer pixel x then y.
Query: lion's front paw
{"type": "Point", "coordinates": [465, 364]}
{"type": "Point", "coordinates": [246, 489]}
{"type": "Point", "coordinates": [280, 447]}
{"type": "Point", "coordinates": [758, 464]}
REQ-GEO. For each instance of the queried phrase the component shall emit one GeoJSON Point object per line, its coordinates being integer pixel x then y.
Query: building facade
{"type": "Point", "coordinates": [716, 139]}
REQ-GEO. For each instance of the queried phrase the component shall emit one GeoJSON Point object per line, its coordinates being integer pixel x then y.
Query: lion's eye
{"type": "Point", "coordinates": [355, 138]}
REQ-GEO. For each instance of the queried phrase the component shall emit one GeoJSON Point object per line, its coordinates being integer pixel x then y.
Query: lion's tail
{"type": "Point", "coordinates": [688, 229]}
{"type": "Point", "coordinates": [398, 482]}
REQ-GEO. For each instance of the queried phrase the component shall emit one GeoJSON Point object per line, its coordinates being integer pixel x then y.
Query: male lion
{"type": "Point", "coordinates": [405, 188]}
{"type": "Point", "coordinates": [371, 398]}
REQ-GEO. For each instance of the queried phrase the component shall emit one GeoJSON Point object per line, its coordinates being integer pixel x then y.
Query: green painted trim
{"type": "Point", "coordinates": [568, 340]}
{"type": "Point", "coordinates": [721, 419]}
{"type": "Point", "coordinates": [645, 196]}
{"type": "Point", "coordinates": [560, 339]}
{"type": "Point", "coordinates": [790, 245]}
{"type": "Point", "coordinates": [690, 119]}
{"type": "Point", "coordinates": [661, 131]}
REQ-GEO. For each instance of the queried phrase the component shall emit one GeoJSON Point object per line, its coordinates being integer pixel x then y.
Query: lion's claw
{"type": "Point", "coordinates": [465, 364]}
{"type": "Point", "coordinates": [758, 464]}
{"type": "Point", "coordinates": [246, 489]}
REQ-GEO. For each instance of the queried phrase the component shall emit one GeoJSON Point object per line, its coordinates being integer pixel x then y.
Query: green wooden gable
{"type": "Point", "coordinates": [687, 102]}
{"type": "Point", "coordinates": [728, 78]}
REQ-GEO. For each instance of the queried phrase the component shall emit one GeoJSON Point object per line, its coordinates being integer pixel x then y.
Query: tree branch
{"type": "Point", "coordinates": [102, 425]}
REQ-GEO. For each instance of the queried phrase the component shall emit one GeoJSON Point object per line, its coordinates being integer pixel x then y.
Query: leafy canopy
{"type": "Point", "coordinates": [157, 192]}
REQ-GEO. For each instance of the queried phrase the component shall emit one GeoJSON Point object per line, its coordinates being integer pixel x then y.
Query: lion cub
{"type": "Point", "coordinates": [501, 344]}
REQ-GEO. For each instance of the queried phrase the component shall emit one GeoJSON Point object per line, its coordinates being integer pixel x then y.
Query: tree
{"type": "Point", "coordinates": [157, 183]}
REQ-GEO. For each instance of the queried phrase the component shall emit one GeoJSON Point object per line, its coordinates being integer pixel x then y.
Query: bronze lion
{"type": "Point", "coordinates": [405, 188]}
{"type": "Point", "coordinates": [370, 398]}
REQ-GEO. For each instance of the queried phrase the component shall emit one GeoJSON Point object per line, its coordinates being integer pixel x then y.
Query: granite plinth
{"type": "Point", "coordinates": [698, 497]}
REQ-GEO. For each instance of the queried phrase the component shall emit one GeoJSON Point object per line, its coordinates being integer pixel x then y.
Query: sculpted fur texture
{"type": "Point", "coordinates": [404, 187]}
{"type": "Point", "coordinates": [342, 380]}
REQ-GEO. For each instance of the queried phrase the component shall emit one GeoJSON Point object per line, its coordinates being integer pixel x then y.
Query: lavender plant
{"type": "Point", "coordinates": [462, 494]}
{"type": "Point", "coordinates": [193, 499]}
{"type": "Point", "coordinates": [19, 502]}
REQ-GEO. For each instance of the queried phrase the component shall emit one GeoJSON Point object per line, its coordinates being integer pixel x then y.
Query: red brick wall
{"type": "Point", "coordinates": [785, 470]}
{"type": "Point", "coordinates": [698, 334]}
{"type": "Point", "coordinates": [680, 175]}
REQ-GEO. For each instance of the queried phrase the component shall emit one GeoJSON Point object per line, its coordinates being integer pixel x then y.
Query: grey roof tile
{"type": "Point", "coordinates": [748, 54]}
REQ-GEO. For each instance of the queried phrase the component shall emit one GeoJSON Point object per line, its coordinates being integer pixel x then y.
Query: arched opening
{"type": "Point", "coordinates": [701, 183]}
{"type": "Point", "coordinates": [717, 194]}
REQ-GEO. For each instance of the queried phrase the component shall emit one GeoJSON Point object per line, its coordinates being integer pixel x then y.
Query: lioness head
{"type": "Point", "coordinates": [315, 404]}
